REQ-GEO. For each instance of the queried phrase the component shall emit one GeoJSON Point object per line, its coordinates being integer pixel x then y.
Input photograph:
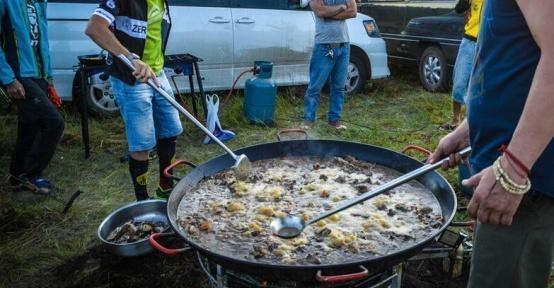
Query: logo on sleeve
{"type": "Point", "coordinates": [111, 4]}
{"type": "Point", "coordinates": [132, 27]}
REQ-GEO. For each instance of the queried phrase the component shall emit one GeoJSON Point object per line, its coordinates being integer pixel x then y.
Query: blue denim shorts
{"type": "Point", "coordinates": [146, 114]}
{"type": "Point", "coordinates": [462, 69]}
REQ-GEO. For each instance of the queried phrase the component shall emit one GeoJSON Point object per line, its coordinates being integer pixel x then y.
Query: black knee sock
{"type": "Point", "coordinates": [166, 156]}
{"type": "Point", "coordinates": [139, 175]}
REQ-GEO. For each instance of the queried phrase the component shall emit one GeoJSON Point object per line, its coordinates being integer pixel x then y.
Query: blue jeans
{"type": "Point", "coordinates": [322, 66]}
{"type": "Point", "coordinates": [146, 114]}
{"type": "Point", "coordinates": [462, 69]}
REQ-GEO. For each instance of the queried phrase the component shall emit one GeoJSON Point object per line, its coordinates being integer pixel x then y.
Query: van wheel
{"type": "Point", "coordinates": [357, 74]}
{"type": "Point", "coordinates": [433, 70]}
{"type": "Point", "coordinates": [99, 97]}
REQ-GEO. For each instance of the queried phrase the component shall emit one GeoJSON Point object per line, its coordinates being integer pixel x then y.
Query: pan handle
{"type": "Point", "coordinates": [417, 148]}
{"type": "Point", "coordinates": [469, 224]}
{"type": "Point", "coordinates": [293, 130]}
{"type": "Point", "coordinates": [153, 239]}
{"type": "Point", "coordinates": [342, 278]}
{"type": "Point", "coordinates": [175, 164]}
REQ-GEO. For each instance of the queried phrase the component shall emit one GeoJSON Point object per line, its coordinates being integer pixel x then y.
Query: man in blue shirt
{"type": "Point", "coordinates": [510, 127]}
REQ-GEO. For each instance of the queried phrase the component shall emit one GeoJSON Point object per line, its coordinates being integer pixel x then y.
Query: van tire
{"type": "Point", "coordinates": [357, 74]}
{"type": "Point", "coordinates": [95, 95]}
{"type": "Point", "coordinates": [433, 70]}
{"type": "Point", "coordinates": [356, 63]}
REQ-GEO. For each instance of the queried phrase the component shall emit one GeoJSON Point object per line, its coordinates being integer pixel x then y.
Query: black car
{"type": "Point", "coordinates": [427, 33]}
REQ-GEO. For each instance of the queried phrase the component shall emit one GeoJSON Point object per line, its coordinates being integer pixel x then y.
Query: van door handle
{"type": "Point", "coordinates": [219, 19]}
{"type": "Point", "coordinates": [245, 20]}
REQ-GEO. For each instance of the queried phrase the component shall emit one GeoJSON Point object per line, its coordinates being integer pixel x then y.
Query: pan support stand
{"type": "Point", "coordinates": [218, 278]}
{"type": "Point", "coordinates": [396, 281]}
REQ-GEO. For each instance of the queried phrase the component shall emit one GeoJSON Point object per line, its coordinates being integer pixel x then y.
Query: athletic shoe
{"type": "Point", "coordinates": [162, 194]}
{"type": "Point", "coordinates": [307, 125]}
{"type": "Point", "coordinates": [337, 125]}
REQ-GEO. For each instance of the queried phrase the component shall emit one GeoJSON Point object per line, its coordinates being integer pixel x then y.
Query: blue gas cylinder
{"type": "Point", "coordinates": [260, 95]}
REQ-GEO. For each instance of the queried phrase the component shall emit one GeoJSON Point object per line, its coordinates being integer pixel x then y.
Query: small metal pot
{"type": "Point", "coordinates": [151, 210]}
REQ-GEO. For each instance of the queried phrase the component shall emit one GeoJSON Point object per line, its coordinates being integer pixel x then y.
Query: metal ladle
{"type": "Point", "coordinates": [242, 163]}
{"type": "Point", "coordinates": [292, 226]}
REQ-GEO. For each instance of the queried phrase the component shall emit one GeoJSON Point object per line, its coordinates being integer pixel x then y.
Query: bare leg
{"type": "Point", "coordinates": [140, 155]}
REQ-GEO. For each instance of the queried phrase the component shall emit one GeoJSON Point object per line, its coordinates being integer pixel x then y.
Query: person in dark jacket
{"type": "Point", "coordinates": [25, 73]}
{"type": "Point", "coordinates": [138, 30]}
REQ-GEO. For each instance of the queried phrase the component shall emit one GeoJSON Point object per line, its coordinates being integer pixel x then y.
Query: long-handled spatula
{"type": "Point", "coordinates": [242, 163]}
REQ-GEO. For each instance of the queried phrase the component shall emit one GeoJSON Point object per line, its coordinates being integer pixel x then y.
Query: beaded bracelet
{"type": "Point", "coordinates": [508, 179]}
{"type": "Point", "coordinates": [511, 156]}
{"type": "Point", "coordinates": [508, 183]}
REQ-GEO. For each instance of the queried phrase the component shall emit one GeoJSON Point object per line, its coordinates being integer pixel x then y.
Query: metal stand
{"type": "Point", "coordinates": [84, 110]}
{"type": "Point", "coordinates": [391, 278]}
{"type": "Point", "coordinates": [187, 65]}
{"type": "Point", "coordinates": [84, 76]}
{"type": "Point", "coordinates": [218, 277]}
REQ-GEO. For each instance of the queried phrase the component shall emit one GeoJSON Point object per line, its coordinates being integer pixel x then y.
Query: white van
{"type": "Point", "coordinates": [229, 35]}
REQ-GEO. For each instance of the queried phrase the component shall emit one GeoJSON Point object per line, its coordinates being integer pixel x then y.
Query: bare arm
{"type": "Point", "coordinates": [324, 11]}
{"type": "Point", "coordinates": [98, 30]}
{"type": "Point", "coordinates": [491, 203]}
{"type": "Point", "coordinates": [535, 129]}
{"type": "Point", "coordinates": [450, 145]}
{"type": "Point", "coordinates": [350, 12]}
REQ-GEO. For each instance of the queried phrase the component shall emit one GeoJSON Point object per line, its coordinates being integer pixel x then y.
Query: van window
{"type": "Point", "coordinates": [200, 3]}
{"type": "Point", "coordinates": [370, 1]}
{"type": "Point", "coordinates": [267, 4]}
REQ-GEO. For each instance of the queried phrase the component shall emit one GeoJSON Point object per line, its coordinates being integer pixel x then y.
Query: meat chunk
{"type": "Point", "coordinates": [235, 206]}
{"type": "Point", "coordinates": [266, 210]}
{"type": "Point", "coordinates": [362, 188]}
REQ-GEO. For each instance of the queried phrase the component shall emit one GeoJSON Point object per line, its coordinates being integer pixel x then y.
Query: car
{"type": "Point", "coordinates": [426, 33]}
{"type": "Point", "coordinates": [229, 35]}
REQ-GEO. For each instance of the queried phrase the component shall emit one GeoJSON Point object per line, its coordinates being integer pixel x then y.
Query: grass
{"type": "Point", "coordinates": [38, 243]}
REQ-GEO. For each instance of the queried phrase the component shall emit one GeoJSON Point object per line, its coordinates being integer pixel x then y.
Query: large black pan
{"type": "Point", "coordinates": [402, 163]}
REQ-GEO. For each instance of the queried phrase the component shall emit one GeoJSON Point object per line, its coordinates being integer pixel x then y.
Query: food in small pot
{"type": "Point", "coordinates": [133, 231]}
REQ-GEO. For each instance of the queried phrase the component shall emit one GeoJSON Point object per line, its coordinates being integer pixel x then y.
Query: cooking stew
{"type": "Point", "coordinates": [232, 217]}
